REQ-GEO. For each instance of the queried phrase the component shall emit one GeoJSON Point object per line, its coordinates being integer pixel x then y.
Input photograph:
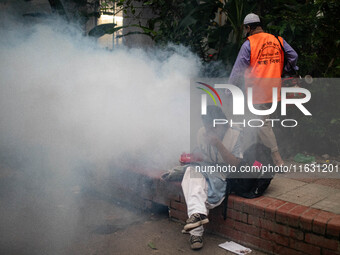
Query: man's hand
{"type": "Point", "coordinates": [212, 139]}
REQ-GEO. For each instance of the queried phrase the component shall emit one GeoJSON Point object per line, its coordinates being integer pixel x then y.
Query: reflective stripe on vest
{"type": "Point", "coordinates": [266, 64]}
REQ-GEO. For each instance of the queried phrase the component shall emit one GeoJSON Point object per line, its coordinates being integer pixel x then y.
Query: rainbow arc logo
{"type": "Point", "coordinates": [209, 93]}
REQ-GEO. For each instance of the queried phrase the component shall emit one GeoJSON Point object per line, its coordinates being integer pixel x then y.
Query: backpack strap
{"type": "Point", "coordinates": [285, 60]}
{"type": "Point", "coordinates": [281, 45]}
{"type": "Point", "coordinates": [284, 54]}
{"type": "Point", "coordinates": [225, 202]}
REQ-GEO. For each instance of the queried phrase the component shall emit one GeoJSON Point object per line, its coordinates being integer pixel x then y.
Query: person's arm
{"type": "Point", "coordinates": [241, 64]}
{"type": "Point", "coordinates": [227, 156]}
{"type": "Point", "coordinates": [292, 57]}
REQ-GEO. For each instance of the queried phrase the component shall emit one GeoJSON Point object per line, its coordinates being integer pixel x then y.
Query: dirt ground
{"type": "Point", "coordinates": [129, 232]}
{"type": "Point", "coordinates": [43, 219]}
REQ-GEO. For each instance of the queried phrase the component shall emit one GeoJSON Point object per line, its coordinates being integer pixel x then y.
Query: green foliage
{"type": "Point", "coordinates": [312, 28]}
{"type": "Point", "coordinates": [182, 22]}
{"type": "Point", "coordinates": [193, 23]}
{"type": "Point", "coordinates": [231, 33]}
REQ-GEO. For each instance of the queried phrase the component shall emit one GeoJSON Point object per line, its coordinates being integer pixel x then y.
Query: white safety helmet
{"type": "Point", "coordinates": [251, 18]}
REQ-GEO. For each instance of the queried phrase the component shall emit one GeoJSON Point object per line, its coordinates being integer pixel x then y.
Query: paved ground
{"type": "Point", "coordinates": [307, 189]}
{"type": "Point", "coordinates": [139, 234]}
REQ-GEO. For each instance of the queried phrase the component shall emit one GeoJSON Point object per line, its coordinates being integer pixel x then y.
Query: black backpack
{"type": "Point", "coordinates": [255, 186]}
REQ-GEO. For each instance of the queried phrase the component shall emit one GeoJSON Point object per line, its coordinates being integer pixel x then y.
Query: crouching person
{"type": "Point", "coordinates": [204, 190]}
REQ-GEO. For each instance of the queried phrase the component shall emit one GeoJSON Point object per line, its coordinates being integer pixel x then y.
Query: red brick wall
{"type": "Point", "coordinates": [271, 225]}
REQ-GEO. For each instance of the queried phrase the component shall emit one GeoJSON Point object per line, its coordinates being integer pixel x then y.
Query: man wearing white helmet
{"type": "Point", "coordinates": [260, 63]}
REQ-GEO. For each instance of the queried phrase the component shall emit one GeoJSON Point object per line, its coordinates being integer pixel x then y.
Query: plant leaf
{"type": "Point", "coordinates": [102, 29]}
{"type": "Point", "coordinates": [152, 245]}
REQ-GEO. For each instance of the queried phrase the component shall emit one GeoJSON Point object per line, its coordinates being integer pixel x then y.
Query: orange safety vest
{"type": "Point", "coordinates": [265, 70]}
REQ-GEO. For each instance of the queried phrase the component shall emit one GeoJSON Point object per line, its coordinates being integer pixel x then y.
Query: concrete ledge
{"type": "Point", "coordinates": [268, 224]}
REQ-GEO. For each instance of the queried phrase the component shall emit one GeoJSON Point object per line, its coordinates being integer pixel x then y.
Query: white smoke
{"type": "Point", "coordinates": [72, 114]}
{"type": "Point", "coordinates": [65, 97]}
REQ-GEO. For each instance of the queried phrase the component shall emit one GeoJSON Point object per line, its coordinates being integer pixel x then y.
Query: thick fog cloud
{"type": "Point", "coordinates": [66, 100]}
